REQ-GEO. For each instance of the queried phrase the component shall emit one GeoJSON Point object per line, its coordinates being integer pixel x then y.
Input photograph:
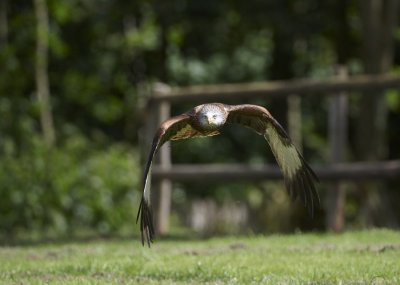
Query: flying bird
{"type": "Point", "coordinates": [206, 120]}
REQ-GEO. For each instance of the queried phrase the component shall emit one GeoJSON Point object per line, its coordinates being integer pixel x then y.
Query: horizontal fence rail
{"type": "Point", "coordinates": [240, 172]}
{"type": "Point", "coordinates": [338, 88]}
{"type": "Point", "coordinates": [241, 91]}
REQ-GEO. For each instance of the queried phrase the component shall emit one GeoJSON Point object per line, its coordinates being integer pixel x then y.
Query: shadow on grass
{"type": "Point", "coordinates": [59, 240]}
{"type": "Point", "coordinates": [180, 234]}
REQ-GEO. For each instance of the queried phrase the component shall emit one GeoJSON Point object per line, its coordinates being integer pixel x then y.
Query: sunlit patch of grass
{"type": "Point", "coordinates": [353, 257]}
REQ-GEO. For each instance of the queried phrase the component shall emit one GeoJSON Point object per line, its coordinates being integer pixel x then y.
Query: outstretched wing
{"type": "Point", "coordinates": [299, 177]}
{"type": "Point", "coordinates": [175, 128]}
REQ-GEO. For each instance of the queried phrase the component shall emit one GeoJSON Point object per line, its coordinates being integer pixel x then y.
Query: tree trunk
{"type": "Point", "coordinates": [342, 34]}
{"type": "Point", "coordinates": [379, 18]}
{"type": "Point", "coordinates": [42, 80]}
{"type": "Point", "coordinates": [3, 23]}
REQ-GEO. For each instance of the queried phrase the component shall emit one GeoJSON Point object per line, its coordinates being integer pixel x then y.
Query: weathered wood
{"type": "Point", "coordinates": [241, 172]}
{"type": "Point", "coordinates": [146, 135]}
{"type": "Point", "coordinates": [164, 185]}
{"type": "Point", "coordinates": [162, 188]}
{"type": "Point", "coordinates": [336, 196]}
{"type": "Point", "coordinates": [242, 91]}
{"type": "Point", "coordinates": [294, 120]}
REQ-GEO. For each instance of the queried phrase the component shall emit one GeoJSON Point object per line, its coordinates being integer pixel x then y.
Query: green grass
{"type": "Point", "coordinates": [367, 257]}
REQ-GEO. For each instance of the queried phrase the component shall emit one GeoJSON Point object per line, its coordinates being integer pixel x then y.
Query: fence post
{"type": "Point", "coordinates": [164, 186]}
{"type": "Point", "coordinates": [338, 121]}
{"type": "Point", "coordinates": [294, 119]}
{"type": "Point", "coordinates": [157, 112]}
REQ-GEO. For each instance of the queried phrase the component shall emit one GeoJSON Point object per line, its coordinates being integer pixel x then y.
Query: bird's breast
{"type": "Point", "coordinates": [203, 124]}
{"type": "Point", "coordinates": [207, 127]}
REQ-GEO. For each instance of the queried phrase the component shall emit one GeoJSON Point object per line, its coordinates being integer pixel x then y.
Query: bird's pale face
{"type": "Point", "coordinates": [211, 118]}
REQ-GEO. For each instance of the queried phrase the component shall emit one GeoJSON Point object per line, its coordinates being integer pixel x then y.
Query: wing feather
{"type": "Point", "coordinates": [167, 130]}
{"type": "Point", "coordinates": [299, 177]}
{"type": "Point", "coordinates": [175, 128]}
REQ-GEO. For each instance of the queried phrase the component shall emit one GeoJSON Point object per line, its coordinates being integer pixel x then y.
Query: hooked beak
{"type": "Point", "coordinates": [210, 120]}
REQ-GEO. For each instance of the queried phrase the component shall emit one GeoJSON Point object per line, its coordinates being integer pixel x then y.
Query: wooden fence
{"type": "Point", "coordinates": [338, 88]}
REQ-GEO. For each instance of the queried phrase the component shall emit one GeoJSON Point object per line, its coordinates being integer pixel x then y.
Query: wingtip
{"type": "Point", "coordinates": [146, 223]}
{"type": "Point", "coordinates": [310, 178]}
{"type": "Point", "coordinates": [303, 185]}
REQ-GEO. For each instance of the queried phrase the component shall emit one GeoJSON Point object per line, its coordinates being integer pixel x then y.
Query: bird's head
{"type": "Point", "coordinates": [211, 116]}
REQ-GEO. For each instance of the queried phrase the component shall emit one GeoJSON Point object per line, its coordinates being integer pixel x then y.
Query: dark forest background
{"type": "Point", "coordinates": [72, 81]}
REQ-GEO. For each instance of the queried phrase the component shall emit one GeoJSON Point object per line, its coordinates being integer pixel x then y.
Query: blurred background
{"type": "Point", "coordinates": [76, 76]}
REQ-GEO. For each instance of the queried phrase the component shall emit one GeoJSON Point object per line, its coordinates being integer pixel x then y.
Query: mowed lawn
{"type": "Point", "coordinates": [367, 257]}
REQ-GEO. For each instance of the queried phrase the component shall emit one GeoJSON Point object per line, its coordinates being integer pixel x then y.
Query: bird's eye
{"type": "Point", "coordinates": [214, 116]}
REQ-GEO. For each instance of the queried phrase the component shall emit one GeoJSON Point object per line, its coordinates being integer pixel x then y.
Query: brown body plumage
{"type": "Point", "coordinates": [206, 120]}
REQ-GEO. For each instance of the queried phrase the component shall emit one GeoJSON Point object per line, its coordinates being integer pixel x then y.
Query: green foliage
{"type": "Point", "coordinates": [68, 188]}
{"type": "Point", "coordinates": [369, 257]}
{"type": "Point", "coordinates": [99, 53]}
{"type": "Point", "coordinates": [248, 61]}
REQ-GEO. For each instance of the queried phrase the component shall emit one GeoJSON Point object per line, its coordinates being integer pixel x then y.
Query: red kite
{"type": "Point", "coordinates": [206, 120]}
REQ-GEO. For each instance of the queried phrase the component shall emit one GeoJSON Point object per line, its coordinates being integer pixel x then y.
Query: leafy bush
{"type": "Point", "coordinates": [70, 187]}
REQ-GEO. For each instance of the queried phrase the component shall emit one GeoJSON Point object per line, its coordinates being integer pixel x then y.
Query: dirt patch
{"type": "Point", "coordinates": [361, 248]}
{"type": "Point", "coordinates": [214, 250]}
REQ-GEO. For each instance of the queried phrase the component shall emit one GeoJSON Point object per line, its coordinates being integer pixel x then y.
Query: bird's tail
{"type": "Point", "coordinates": [146, 222]}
